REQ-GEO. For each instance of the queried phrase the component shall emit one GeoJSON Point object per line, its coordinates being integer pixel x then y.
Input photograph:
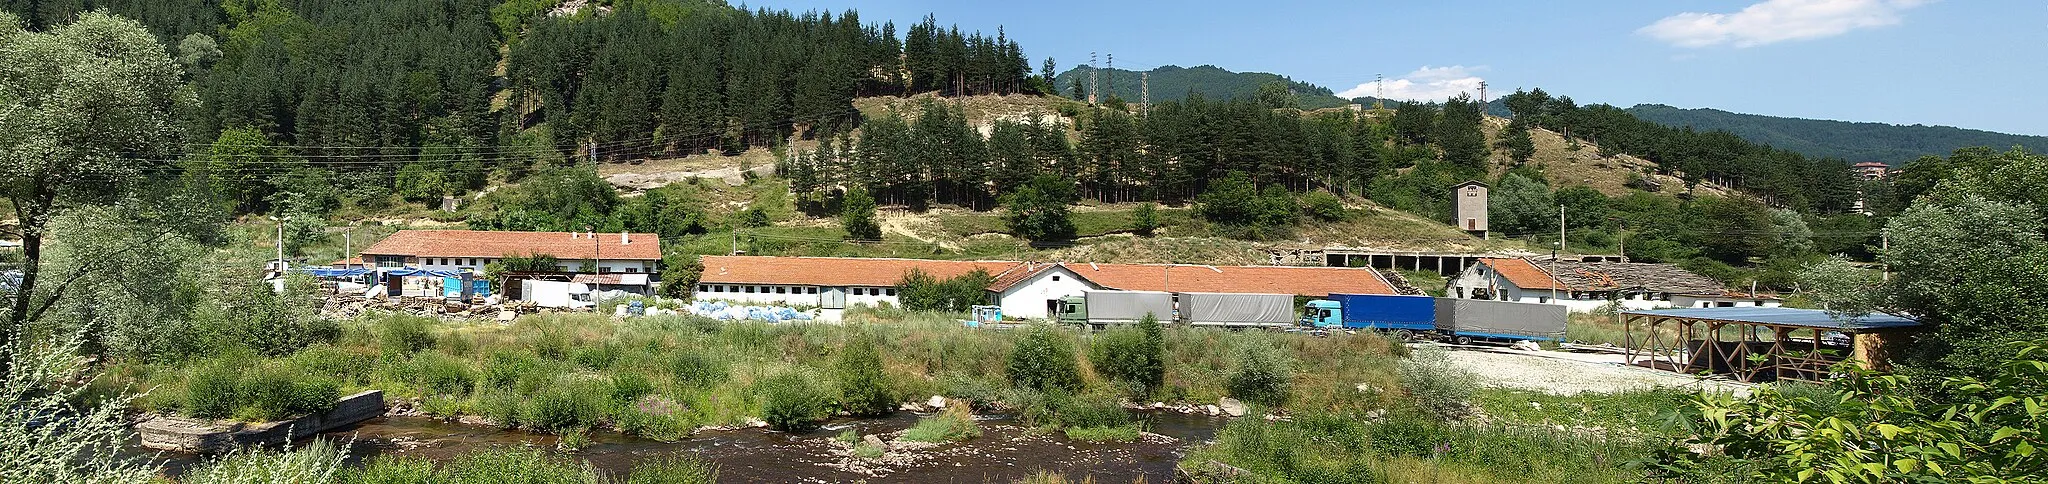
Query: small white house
{"type": "Point", "coordinates": [1032, 291]}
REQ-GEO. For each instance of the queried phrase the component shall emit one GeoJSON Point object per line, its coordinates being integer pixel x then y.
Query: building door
{"type": "Point", "coordinates": [1052, 307]}
{"type": "Point", "coordinates": [832, 298]}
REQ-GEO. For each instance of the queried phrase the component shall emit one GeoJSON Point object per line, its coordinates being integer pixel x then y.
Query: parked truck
{"type": "Point", "coordinates": [1103, 308]}
{"type": "Point", "coordinates": [1236, 310]}
{"type": "Point", "coordinates": [1403, 315]}
{"type": "Point", "coordinates": [1464, 321]}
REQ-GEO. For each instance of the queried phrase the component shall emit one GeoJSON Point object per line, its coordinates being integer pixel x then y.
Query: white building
{"type": "Point", "coordinates": [1023, 290]}
{"type": "Point", "coordinates": [1587, 286]}
{"type": "Point", "coordinates": [470, 250]}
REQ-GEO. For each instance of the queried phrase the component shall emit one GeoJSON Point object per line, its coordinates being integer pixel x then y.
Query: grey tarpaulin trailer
{"type": "Point", "coordinates": [1467, 320]}
{"type": "Point", "coordinates": [1101, 308]}
{"type": "Point", "coordinates": [1235, 310]}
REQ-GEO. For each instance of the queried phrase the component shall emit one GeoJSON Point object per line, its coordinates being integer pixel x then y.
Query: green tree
{"type": "Point", "coordinates": [105, 69]}
{"type": "Point", "coordinates": [1134, 355]}
{"type": "Point", "coordinates": [1039, 211]}
{"type": "Point", "coordinates": [858, 216]}
{"type": "Point", "coordinates": [1278, 94]}
{"type": "Point", "coordinates": [679, 275]}
{"type": "Point", "coordinates": [1964, 264]}
{"type": "Point", "coordinates": [1458, 133]}
{"type": "Point", "coordinates": [1520, 206]}
{"type": "Point", "coordinates": [1518, 143]}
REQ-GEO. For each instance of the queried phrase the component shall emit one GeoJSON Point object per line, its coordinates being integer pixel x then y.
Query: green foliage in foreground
{"type": "Point", "coordinates": [1134, 356]}
{"type": "Point", "coordinates": [321, 463]}
{"type": "Point", "coordinates": [1867, 428]}
{"type": "Point", "coordinates": [793, 402]}
{"type": "Point", "coordinates": [1409, 447]}
{"type": "Point", "coordinates": [1044, 360]}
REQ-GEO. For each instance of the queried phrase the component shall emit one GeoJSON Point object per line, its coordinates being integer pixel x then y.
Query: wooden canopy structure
{"type": "Point", "coordinates": [1753, 344]}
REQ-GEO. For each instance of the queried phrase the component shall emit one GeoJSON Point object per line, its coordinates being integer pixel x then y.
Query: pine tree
{"type": "Point", "coordinates": [858, 216]}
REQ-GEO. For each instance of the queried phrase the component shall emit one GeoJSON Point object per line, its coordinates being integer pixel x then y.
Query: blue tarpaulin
{"type": "Point", "coordinates": [331, 272]}
{"type": "Point", "coordinates": [410, 272]}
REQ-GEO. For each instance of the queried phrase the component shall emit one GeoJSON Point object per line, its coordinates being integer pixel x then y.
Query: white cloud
{"type": "Point", "coordinates": [1425, 84]}
{"type": "Point", "coordinates": [1773, 21]}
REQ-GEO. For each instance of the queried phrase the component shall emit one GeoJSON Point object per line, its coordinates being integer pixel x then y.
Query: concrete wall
{"type": "Point", "coordinates": [207, 436]}
{"type": "Point", "coordinates": [1028, 299]}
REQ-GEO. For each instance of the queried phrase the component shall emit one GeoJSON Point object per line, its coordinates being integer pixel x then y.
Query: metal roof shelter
{"type": "Point", "coordinates": [1758, 344]}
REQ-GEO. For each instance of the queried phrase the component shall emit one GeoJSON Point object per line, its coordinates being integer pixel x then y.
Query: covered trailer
{"type": "Point", "coordinates": [556, 294]}
{"type": "Point", "coordinates": [1468, 320]}
{"type": "Point", "coordinates": [1101, 308]}
{"type": "Point", "coordinates": [1373, 311]}
{"type": "Point", "coordinates": [1236, 310]}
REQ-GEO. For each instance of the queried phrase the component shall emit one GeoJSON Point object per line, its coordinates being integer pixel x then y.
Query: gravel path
{"type": "Point", "coordinates": [1562, 373]}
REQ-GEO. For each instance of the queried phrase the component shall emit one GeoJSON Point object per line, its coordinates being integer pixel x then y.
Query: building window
{"type": "Point", "coordinates": [890, 291]}
{"type": "Point", "coordinates": [1055, 278]}
{"type": "Point", "coordinates": [604, 270]}
{"type": "Point", "coordinates": [632, 270]}
{"type": "Point", "coordinates": [860, 291]}
{"type": "Point", "coordinates": [811, 290]}
{"type": "Point", "coordinates": [1471, 193]}
{"type": "Point", "coordinates": [703, 288]}
{"type": "Point", "coordinates": [781, 290]}
{"type": "Point", "coordinates": [750, 289]}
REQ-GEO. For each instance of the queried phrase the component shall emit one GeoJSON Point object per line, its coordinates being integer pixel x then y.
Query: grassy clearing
{"type": "Point", "coordinates": [1408, 447]}
{"type": "Point", "coordinates": [1647, 411]}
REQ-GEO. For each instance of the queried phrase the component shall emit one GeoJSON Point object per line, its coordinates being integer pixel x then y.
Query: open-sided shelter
{"type": "Point", "coordinates": [1754, 344]}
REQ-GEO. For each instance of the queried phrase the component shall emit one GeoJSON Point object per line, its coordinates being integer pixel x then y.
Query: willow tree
{"type": "Point", "coordinates": [85, 120]}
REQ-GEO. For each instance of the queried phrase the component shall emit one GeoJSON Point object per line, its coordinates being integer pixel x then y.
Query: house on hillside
{"type": "Point", "coordinates": [1024, 290]}
{"type": "Point", "coordinates": [1583, 286]}
{"type": "Point", "coordinates": [469, 250]}
{"type": "Point", "coordinates": [1871, 170]}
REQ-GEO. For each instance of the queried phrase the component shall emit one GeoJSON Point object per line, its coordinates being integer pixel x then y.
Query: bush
{"type": "Point", "coordinates": [1043, 360]}
{"type": "Point", "coordinates": [674, 470]}
{"type": "Point", "coordinates": [862, 391]}
{"type": "Point", "coordinates": [922, 292]}
{"type": "Point", "coordinates": [435, 374]}
{"type": "Point", "coordinates": [505, 466]}
{"type": "Point", "coordinates": [505, 368]}
{"type": "Point", "coordinates": [953, 425]}
{"type": "Point", "coordinates": [1136, 356]}
{"type": "Point", "coordinates": [404, 334]}
{"type": "Point", "coordinates": [628, 388]}
{"type": "Point", "coordinates": [1145, 219]}
{"type": "Point", "coordinates": [565, 408]}
{"type": "Point", "coordinates": [1436, 385]}
{"type": "Point", "coordinates": [1324, 206]}
{"type": "Point", "coordinates": [212, 390]}
{"type": "Point", "coordinates": [792, 402]}
{"type": "Point", "coordinates": [1262, 376]}
{"type": "Point", "coordinates": [696, 369]}
{"type": "Point", "coordinates": [596, 357]}
{"type": "Point", "coordinates": [273, 393]}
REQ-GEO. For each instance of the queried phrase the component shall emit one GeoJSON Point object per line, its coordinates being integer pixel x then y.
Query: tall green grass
{"type": "Point", "coordinates": [1409, 447]}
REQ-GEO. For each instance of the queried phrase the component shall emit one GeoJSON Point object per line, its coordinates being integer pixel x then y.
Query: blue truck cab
{"type": "Point", "coordinates": [1413, 314]}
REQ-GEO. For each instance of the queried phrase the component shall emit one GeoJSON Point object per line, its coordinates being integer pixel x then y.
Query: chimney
{"type": "Point", "coordinates": [625, 239]}
{"type": "Point", "coordinates": [572, 235]}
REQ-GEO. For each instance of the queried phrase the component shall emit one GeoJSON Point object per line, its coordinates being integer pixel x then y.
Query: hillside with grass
{"type": "Point", "coordinates": [1172, 83]}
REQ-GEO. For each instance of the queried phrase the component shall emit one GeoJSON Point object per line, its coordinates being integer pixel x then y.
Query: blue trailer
{"type": "Point", "coordinates": [1371, 311]}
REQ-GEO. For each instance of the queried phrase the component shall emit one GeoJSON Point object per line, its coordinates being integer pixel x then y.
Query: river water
{"type": "Point", "coordinates": [1005, 452]}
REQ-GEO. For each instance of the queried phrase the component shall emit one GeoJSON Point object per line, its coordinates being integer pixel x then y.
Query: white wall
{"type": "Point", "coordinates": [1678, 301]}
{"type": "Point", "coordinates": [1027, 299]}
{"type": "Point", "coordinates": [762, 294]}
{"type": "Point", "coordinates": [476, 264]}
{"type": "Point", "coordinates": [871, 296]}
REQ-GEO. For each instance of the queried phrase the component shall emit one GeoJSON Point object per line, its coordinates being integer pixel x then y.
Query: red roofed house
{"type": "Point", "coordinates": [1871, 170]}
{"type": "Point", "coordinates": [1023, 290]}
{"type": "Point", "coordinates": [459, 250]}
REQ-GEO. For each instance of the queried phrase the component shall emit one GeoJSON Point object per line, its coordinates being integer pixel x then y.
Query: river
{"type": "Point", "coordinates": [1004, 452]}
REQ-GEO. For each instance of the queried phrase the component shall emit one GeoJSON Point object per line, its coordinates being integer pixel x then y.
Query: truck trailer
{"type": "Point", "coordinates": [1103, 308]}
{"type": "Point", "coordinates": [1236, 310]}
{"type": "Point", "coordinates": [1464, 321]}
{"type": "Point", "coordinates": [1400, 314]}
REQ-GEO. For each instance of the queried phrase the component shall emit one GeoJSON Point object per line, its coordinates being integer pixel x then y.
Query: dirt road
{"type": "Point", "coordinates": [1563, 373]}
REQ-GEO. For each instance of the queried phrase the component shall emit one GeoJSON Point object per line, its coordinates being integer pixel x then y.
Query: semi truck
{"type": "Point", "coordinates": [1236, 310]}
{"type": "Point", "coordinates": [1464, 321]}
{"type": "Point", "coordinates": [1100, 309]}
{"type": "Point", "coordinates": [1404, 315]}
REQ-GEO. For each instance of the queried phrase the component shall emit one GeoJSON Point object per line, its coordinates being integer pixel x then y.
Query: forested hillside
{"type": "Point", "coordinates": [1172, 83]}
{"type": "Point", "coordinates": [1856, 142]}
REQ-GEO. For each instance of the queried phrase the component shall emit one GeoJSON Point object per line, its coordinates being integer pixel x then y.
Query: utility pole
{"type": "Point", "coordinates": [1886, 246]}
{"type": "Point", "coordinates": [348, 243]}
{"type": "Point", "coordinates": [280, 245]}
{"type": "Point", "coordinates": [1554, 279]}
{"type": "Point", "coordinates": [597, 250]}
{"type": "Point", "coordinates": [1560, 228]}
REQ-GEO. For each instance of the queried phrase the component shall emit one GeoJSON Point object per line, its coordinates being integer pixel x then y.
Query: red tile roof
{"type": "Point", "coordinates": [1018, 274]}
{"type": "Point", "coordinates": [484, 243]}
{"type": "Point", "coordinates": [1522, 274]}
{"type": "Point", "coordinates": [1300, 281]}
{"type": "Point", "coordinates": [833, 271]}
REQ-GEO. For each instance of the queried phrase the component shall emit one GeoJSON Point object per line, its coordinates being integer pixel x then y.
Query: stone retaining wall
{"type": "Point", "coordinates": [206, 435]}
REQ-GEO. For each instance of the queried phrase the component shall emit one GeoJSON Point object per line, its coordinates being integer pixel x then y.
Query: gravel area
{"type": "Point", "coordinates": [1562, 373]}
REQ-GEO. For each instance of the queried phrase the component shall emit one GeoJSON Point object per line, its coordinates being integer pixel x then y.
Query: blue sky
{"type": "Point", "coordinates": [1967, 63]}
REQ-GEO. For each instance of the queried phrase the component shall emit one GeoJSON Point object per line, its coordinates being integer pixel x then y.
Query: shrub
{"type": "Point", "coordinates": [674, 470]}
{"type": "Point", "coordinates": [1436, 385]}
{"type": "Point", "coordinates": [628, 388]}
{"type": "Point", "coordinates": [403, 334]}
{"type": "Point", "coordinates": [501, 406]}
{"type": "Point", "coordinates": [696, 369]}
{"type": "Point", "coordinates": [435, 374]}
{"type": "Point", "coordinates": [1262, 375]}
{"type": "Point", "coordinates": [504, 466]}
{"type": "Point", "coordinates": [596, 357]}
{"type": "Point", "coordinates": [213, 390]}
{"type": "Point", "coordinates": [862, 391]}
{"type": "Point", "coordinates": [792, 402]}
{"type": "Point", "coordinates": [953, 425]}
{"type": "Point", "coordinates": [505, 368]}
{"type": "Point", "coordinates": [1324, 206]}
{"type": "Point", "coordinates": [1136, 356]}
{"type": "Point", "coordinates": [334, 362]}
{"type": "Point", "coordinates": [1145, 219]}
{"type": "Point", "coordinates": [319, 462]}
{"type": "Point", "coordinates": [1043, 360]}
{"type": "Point", "coordinates": [565, 408]}
{"type": "Point", "coordinates": [387, 469]}
{"type": "Point", "coordinates": [273, 393]}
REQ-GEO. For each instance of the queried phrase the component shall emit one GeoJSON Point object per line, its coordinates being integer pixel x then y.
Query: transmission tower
{"type": "Point", "coordinates": [1145, 90]}
{"type": "Point", "coordinates": [1112, 74]}
{"type": "Point", "coordinates": [1091, 78]}
{"type": "Point", "coordinates": [1379, 92]}
{"type": "Point", "coordinates": [1482, 96]}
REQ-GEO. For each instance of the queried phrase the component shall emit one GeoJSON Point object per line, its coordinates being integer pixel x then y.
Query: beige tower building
{"type": "Point", "coordinates": [1471, 203]}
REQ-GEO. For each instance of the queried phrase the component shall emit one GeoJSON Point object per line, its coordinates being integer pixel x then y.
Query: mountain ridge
{"type": "Point", "coordinates": [1854, 141]}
